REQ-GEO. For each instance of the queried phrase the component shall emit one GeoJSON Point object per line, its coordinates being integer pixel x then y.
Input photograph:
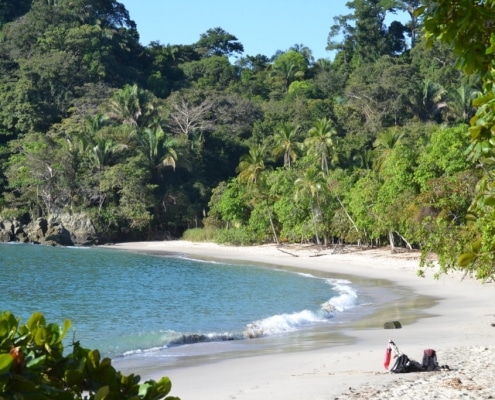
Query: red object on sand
{"type": "Point", "coordinates": [388, 357]}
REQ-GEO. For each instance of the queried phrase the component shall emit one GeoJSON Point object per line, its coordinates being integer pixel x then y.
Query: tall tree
{"type": "Point", "coordinates": [133, 107]}
{"type": "Point", "coordinates": [157, 147]}
{"type": "Point", "coordinates": [285, 143]}
{"type": "Point", "coordinates": [252, 165]}
{"type": "Point", "coordinates": [304, 50]}
{"type": "Point", "coordinates": [322, 143]}
{"type": "Point", "coordinates": [365, 36]}
{"type": "Point", "coordinates": [218, 42]}
{"type": "Point", "coordinates": [459, 103]}
{"type": "Point", "coordinates": [384, 144]}
{"type": "Point", "coordinates": [290, 66]}
{"type": "Point", "coordinates": [310, 186]}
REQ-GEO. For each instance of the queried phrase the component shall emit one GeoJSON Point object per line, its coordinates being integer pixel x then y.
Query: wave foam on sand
{"type": "Point", "coordinates": [461, 329]}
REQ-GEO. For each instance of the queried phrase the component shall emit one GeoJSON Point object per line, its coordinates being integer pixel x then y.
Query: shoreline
{"type": "Point", "coordinates": [459, 328]}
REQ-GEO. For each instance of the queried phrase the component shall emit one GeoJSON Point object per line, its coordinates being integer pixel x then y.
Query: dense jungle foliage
{"type": "Point", "coordinates": [370, 147]}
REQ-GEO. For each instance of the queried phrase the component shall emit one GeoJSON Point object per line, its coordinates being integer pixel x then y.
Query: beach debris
{"type": "Point", "coordinates": [392, 325]}
{"type": "Point", "coordinates": [287, 252]}
{"type": "Point", "coordinates": [456, 383]}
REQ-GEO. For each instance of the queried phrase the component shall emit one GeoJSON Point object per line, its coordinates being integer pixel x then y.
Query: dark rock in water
{"type": "Point", "coordinates": [56, 230]}
{"type": "Point", "coordinates": [392, 325]}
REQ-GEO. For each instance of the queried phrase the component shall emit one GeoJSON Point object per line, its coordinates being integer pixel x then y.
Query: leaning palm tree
{"type": "Point", "coordinates": [322, 143]}
{"type": "Point", "coordinates": [252, 172]}
{"type": "Point", "coordinates": [285, 139]}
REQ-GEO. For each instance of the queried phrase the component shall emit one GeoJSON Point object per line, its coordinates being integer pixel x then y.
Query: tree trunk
{"type": "Point", "coordinates": [273, 226]}
{"type": "Point", "coordinates": [348, 216]}
{"type": "Point", "coordinates": [408, 245]}
{"type": "Point", "coordinates": [391, 240]}
{"type": "Point", "coordinates": [316, 228]}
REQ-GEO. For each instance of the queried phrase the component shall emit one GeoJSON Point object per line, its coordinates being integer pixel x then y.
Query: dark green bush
{"type": "Point", "coordinates": [33, 366]}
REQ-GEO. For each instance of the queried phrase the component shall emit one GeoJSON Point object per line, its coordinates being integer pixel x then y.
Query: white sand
{"type": "Point", "coordinates": [461, 332]}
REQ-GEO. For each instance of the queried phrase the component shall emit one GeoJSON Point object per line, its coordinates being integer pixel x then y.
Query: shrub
{"type": "Point", "coordinates": [32, 366]}
{"type": "Point", "coordinates": [199, 235]}
{"type": "Point", "coordinates": [237, 237]}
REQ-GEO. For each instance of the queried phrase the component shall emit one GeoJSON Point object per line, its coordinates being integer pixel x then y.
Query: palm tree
{"type": "Point", "coordinates": [384, 143]}
{"type": "Point", "coordinates": [133, 107]}
{"type": "Point", "coordinates": [252, 172]}
{"type": "Point", "coordinates": [309, 187]}
{"type": "Point", "coordinates": [429, 100]}
{"type": "Point", "coordinates": [157, 147]}
{"type": "Point", "coordinates": [251, 165]}
{"type": "Point", "coordinates": [460, 103]}
{"type": "Point", "coordinates": [260, 193]}
{"type": "Point", "coordinates": [101, 149]}
{"type": "Point", "coordinates": [94, 124]}
{"type": "Point", "coordinates": [285, 143]}
{"type": "Point", "coordinates": [93, 144]}
{"type": "Point", "coordinates": [363, 158]}
{"type": "Point", "coordinates": [322, 141]}
{"type": "Point", "coordinates": [304, 50]}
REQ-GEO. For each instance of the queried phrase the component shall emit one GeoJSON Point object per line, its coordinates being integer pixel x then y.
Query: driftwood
{"type": "Point", "coordinates": [287, 252]}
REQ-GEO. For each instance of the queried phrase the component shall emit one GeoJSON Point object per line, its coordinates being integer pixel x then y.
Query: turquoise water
{"type": "Point", "coordinates": [125, 303]}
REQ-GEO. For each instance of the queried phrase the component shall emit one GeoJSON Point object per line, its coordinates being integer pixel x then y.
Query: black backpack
{"type": "Point", "coordinates": [403, 365]}
{"type": "Point", "coordinates": [430, 360]}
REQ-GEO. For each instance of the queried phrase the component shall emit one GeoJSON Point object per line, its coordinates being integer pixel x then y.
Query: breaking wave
{"type": "Point", "coordinates": [345, 299]}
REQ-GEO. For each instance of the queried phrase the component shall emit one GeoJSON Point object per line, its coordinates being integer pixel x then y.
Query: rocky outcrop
{"type": "Point", "coordinates": [56, 230]}
{"type": "Point", "coordinates": [81, 228]}
{"type": "Point", "coordinates": [52, 233]}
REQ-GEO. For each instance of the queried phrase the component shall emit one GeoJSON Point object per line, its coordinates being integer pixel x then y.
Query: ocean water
{"type": "Point", "coordinates": [172, 307]}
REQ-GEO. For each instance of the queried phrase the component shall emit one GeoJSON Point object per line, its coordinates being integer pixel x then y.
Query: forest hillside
{"type": "Point", "coordinates": [370, 147]}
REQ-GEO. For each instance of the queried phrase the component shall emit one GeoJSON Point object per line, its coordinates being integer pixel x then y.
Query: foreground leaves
{"type": "Point", "coordinates": [32, 365]}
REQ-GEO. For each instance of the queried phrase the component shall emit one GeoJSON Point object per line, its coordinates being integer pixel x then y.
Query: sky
{"type": "Point", "coordinates": [262, 26]}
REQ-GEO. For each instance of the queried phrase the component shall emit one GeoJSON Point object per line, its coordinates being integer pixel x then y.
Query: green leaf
{"type": "Point", "coordinates": [489, 201]}
{"type": "Point", "coordinates": [466, 259]}
{"type": "Point", "coordinates": [36, 362]}
{"type": "Point", "coordinates": [6, 362]}
{"type": "Point", "coordinates": [419, 11]}
{"type": "Point", "coordinates": [94, 360]}
{"type": "Point", "coordinates": [67, 325]}
{"type": "Point", "coordinates": [40, 335]}
{"type": "Point", "coordinates": [74, 377]}
{"type": "Point", "coordinates": [36, 319]}
{"type": "Point", "coordinates": [164, 385]}
{"type": "Point", "coordinates": [102, 393]}
{"type": "Point", "coordinates": [143, 389]}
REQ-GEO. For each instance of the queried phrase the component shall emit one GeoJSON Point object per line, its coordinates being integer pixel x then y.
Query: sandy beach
{"type": "Point", "coordinates": [461, 328]}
